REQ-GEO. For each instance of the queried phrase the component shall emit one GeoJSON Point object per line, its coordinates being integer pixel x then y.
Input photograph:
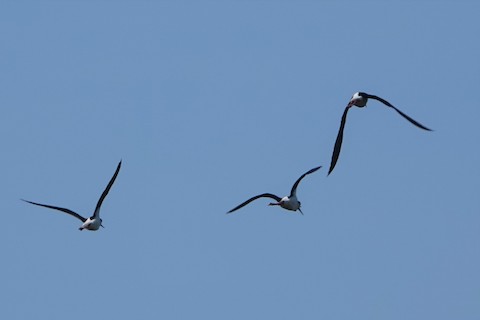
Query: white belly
{"type": "Point", "coordinates": [91, 224]}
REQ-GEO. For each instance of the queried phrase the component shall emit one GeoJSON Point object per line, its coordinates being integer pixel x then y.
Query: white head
{"type": "Point", "coordinates": [355, 96]}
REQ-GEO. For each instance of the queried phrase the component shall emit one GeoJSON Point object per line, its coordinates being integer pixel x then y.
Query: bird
{"type": "Point", "coordinates": [94, 222]}
{"type": "Point", "coordinates": [288, 202]}
{"type": "Point", "coordinates": [359, 99]}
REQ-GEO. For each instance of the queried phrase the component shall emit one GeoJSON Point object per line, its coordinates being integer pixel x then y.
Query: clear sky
{"type": "Point", "coordinates": [211, 102]}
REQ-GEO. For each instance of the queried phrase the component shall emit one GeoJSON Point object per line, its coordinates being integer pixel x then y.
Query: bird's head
{"type": "Point", "coordinates": [362, 94]}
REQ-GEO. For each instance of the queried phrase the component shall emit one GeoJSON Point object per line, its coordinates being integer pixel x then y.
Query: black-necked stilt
{"type": "Point", "coordinates": [94, 222]}
{"type": "Point", "coordinates": [289, 202]}
{"type": "Point", "coordinates": [359, 99]}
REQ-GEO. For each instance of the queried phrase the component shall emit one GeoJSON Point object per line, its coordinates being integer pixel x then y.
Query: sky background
{"type": "Point", "coordinates": [211, 102]}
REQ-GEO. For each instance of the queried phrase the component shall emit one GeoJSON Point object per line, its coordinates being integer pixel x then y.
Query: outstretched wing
{"type": "Point", "coordinates": [263, 195]}
{"type": "Point", "coordinates": [295, 185]}
{"type": "Point", "coordinates": [338, 142]}
{"type": "Point", "coordinates": [385, 102]}
{"type": "Point", "coordinates": [70, 212]}
{"type": "Point", "coordinates": [105, 192]}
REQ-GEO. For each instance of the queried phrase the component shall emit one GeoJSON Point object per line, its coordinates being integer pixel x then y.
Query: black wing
{"type": "Point", "coordinates": [385, 102]}
{"type": "Point", "coordinates": [295, 185]}
{"type": "Point", "coordinates": [70, 212]}
{"type": "Point", "coordinates": [107, 189]}
{"type": "Point", "coordinates": [338, 142]}
{"type": "Point", "coordinates": [263, 195]}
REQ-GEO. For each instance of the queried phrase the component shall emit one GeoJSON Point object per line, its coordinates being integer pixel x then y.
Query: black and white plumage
{"type": "Point", "coordinates": [94, 222]}
{"type": "Point", "coordinates": [289, 202]}
{"type": "Point", "coordinates": [359, 99]}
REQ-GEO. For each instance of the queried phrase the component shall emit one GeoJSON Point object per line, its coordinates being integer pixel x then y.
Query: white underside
{"type": "Point", "coordinates": [92, 225]}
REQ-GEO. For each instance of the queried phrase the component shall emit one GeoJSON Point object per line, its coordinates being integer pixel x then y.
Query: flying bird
{"type": "Point", "coordinates": [94, 222]}
{"type": "Point", "coordinates": [359, 99]}
{"type": "Point", "coordinates": [289, 202]}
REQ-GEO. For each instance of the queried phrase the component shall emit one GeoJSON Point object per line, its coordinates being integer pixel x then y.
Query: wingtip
{"type": "Point", "coordinates": [329, 171]}
{"type": "Point", "coordinates": [421, 126]}
{"type": "Point", "coordinates": [314, 169]}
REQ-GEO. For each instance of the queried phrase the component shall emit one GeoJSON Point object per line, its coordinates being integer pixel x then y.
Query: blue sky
{"type": "Point", "coordinates": [210, 103]}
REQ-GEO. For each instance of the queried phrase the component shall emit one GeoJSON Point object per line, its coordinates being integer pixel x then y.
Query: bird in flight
{"type": "Point", "coordinates": [289, 202]}
{"type": "Point", "coordinates": [94, 222]}
{"type": "Point", "coordinates": [359, 99]}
